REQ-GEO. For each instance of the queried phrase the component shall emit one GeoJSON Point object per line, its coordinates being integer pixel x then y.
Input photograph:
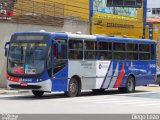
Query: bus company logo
{"type": "Point", "coordinates": [84, 63]}
{"type": "Point", "coordinates": [103, 65]}
{"type": "Point", "coordinates": [25, 80]}
{"type": "Point", "coordinates": [152, 66]}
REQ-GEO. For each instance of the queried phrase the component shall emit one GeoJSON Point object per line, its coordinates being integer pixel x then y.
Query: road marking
{"type": "Point", "coordinates": [151, 104]}
{"type": "Point", "coordinates": [135, 103]}
{"type": "Point", "coordinates": [122, 102]}
{"type": "Point", "coordinates": [96, 101]}
{"type": "Point", "coordinates": [130, 94]}
{"type": "Point", "coordinates": [2, 96]}
{"type": "Point", "coordinates": [105, 99]}
{"type": "Point", "coordinates": [119, 101]}
{"type": "Point", "coordinates": [87, 98]}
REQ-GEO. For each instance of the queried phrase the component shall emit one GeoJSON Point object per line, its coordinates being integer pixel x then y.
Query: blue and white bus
{"type": "Point", "coordinates": [49, 62]}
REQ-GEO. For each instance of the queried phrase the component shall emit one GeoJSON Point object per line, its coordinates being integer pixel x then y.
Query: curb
{"type": "Point", "coordinates": [153, 85]}
{"type": "Point", "coordinates": [4, 91]}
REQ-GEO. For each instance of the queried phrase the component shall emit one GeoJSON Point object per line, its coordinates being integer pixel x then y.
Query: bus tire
{"type": "Point", "coordinates": [130, 85]}
{"type": "Point", "coordinates": [37, 93]}
{"type": "Point", "coordinates": [72, 88]}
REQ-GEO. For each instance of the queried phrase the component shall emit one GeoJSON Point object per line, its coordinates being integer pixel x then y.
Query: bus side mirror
{"type": "Point", "coordinates": [6, 49]}
{"type": "Point", "coordinates": [6, 52]}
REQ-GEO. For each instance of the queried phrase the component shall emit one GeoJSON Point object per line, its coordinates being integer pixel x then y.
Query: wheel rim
{"type": "Point", "coordinates": [73, 88]}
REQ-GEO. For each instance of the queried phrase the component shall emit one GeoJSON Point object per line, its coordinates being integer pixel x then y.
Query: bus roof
{"type": "Point", "coordinates": [119, 39]}
{"type": "Point", "coordinates": [104, 38]}
{"type": "Point", "coordinates": [66, 35]}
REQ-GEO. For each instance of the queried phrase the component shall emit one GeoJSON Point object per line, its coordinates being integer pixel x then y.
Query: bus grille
{"type": "Point", "coordinates": [25, 87]}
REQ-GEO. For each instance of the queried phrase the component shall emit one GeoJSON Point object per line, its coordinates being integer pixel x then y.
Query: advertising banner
{"type": "Point", "coordinates": [6, 8]}
{"type": "Point", "coordinates": [118, 21]}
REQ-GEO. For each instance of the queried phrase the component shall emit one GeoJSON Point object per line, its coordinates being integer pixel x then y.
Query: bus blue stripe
{"type": "Point", "coordinates": [106, 75]}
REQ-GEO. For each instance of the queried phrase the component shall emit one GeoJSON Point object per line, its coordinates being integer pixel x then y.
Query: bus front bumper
{"type": "Point", "coordinates": [42, 86]}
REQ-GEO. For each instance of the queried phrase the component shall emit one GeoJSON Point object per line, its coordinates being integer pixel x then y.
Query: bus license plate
{"type": "Point", "coordinates": [24, 84]}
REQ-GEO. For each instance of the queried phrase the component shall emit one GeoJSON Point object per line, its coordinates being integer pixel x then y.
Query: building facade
{"type": "Point", "coordinates": [153, 8]}
{"type": "Point", "coordinates": [118, 20]}
{"type": "Point", "coordinates": [35, 15]}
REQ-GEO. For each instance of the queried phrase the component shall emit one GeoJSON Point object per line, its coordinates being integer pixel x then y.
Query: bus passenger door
{"type": "Point", "coordinates": [60, 65]}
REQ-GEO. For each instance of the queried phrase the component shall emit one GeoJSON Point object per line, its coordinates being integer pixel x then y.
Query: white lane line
{"type": "Point", "coordinates": [86, 98]}
{"type": "Point", "coordinates": [131, 102]}
{"type": "Point", "coordinates": [118, 101]}
{"type": "Point", "coordinates": [96, 101]}
{"type": "Point", "coordinates": [2, 96]}
{"type": "Point", "coordinates": [101, 100]}
{"type": "Point", "coordinates": [151, 104]}
{"type": "Point", "coordinates": [130, 94]}
{"type": "Point", "coordinates": [136, 103]}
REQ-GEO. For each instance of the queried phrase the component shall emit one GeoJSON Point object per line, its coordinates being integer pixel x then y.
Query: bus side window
{"type": "Point", "coordinates": [60, 50]}
{"type": "Point", "coordinates": [152, 52]}
{"type": "Point", "coordinates": [144, 52]}
{"type": "Point", "coordinates": [105, 50]}
{"type": "Point", "coordinates": [90, 50]}
{"type": "Point", "coordinates": [119, 51]}
{"type": "Point", "coordinates": [132, 51]}
{"type": "Point", "coordinates": [75, 49]}
{"type": "Point", "coordinates": [49, 63]}
{"type": "Point", "coordinates": [63, 54]}
{"type": "Point", "coordinates": [60, 55]}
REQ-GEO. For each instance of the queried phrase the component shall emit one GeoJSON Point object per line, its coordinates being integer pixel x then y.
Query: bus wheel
{"type": "Point", "coordinates": [37, 93]}
{"type": "Point", "coordinates": [72, 88]}
{"type": "Point", "coordinates": [130, 85]}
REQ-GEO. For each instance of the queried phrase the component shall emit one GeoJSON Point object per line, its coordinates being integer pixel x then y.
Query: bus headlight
{"type": "Point", "coordinates": [39, 80]}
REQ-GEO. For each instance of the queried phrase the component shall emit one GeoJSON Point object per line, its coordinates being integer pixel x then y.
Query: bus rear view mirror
{"type": "Point", "coordinates": [6, 52]}
{"type": "Point", "coordinates": [6, 49]}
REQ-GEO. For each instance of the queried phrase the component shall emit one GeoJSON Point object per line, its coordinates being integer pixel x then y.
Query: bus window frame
{"type": "Point", "coordinates": [89, 50]}
{"type": "Point", "coordinates": [144, 52]}
{"type": "Point", "coordinates": [82, 50]}
{"type": "Point", "coordinates": [154, 50]}
{"type": "Point", "coordinates": [132, 51]}
{"type": "Point", "coordinates": [118, 51]}
{"type": "Point", "coordinates": [107, 51]}
{"type": "Point", "coordinates": [55, 41]}
{"type": "Point", "coordinates": [112, 51]}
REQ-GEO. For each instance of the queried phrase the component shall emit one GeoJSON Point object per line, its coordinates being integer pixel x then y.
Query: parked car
{"type": "Point", "coordinates": [158, 76]}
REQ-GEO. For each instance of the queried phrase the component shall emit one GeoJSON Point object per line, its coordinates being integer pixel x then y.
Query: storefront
{"type": "Point", "coordinates": [153, 32]}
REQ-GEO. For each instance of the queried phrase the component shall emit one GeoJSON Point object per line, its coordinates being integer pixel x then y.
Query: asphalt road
{"type": "Point", "coordinates": [109, 102]}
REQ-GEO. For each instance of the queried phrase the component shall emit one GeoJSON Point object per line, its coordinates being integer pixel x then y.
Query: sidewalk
{"type": "Point", "coordinates": [150, 88]}
{"type": "Point", "coordinates": [10, 91]}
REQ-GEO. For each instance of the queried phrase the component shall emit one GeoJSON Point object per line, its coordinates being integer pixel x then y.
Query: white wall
{"type": "Point", "coordinates": [152, 4]}
{"type": "Point", "coordinates": [7, 29]}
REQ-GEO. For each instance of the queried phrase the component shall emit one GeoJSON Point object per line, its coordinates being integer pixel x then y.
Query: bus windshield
{"type": "Point", "coordinates": [26, 58]}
